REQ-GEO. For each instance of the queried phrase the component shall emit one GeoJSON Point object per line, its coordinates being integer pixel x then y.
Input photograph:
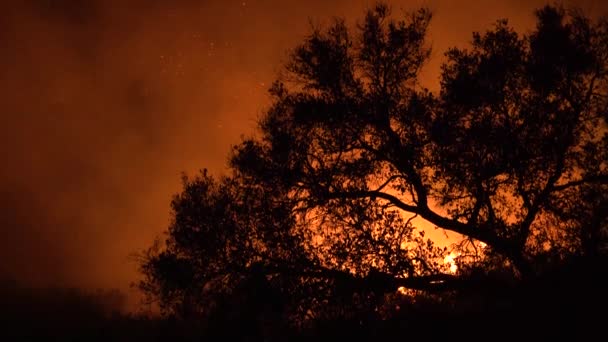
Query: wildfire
{"type": "Point", "coordinates": [450, 260]}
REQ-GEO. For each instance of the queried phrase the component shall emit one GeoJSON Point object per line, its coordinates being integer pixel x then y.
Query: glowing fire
{"type": "Point", "coordinates": [450, 260]}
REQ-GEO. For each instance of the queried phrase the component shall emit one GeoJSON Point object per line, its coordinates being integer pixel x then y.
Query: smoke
{"type": "Point", "coordinates": [105, 103]}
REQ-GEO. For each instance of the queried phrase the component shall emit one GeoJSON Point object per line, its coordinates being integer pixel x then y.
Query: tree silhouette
{"type": "Point", "coordinates": [510, 153]}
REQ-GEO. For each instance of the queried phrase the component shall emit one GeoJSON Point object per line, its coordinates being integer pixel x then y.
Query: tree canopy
{"type": "Point", "coordinates": [510, 153]}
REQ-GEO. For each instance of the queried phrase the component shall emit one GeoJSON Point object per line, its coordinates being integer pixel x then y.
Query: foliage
{"type": "Point", "coordinates": [317, 212]}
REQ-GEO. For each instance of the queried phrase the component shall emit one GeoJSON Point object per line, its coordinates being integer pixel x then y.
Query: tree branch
{"type": "Point", "coordinates": [379, 281]}
{"type": "Point", "coordinates": [601, 179]}
{"type": "Point", "coordinates": [425, 212]}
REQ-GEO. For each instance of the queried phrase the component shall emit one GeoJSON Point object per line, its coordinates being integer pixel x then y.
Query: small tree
{"type": "Point", "coordinates": [511, 152]}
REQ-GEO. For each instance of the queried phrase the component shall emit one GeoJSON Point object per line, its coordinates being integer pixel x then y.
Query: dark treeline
{"type": "Point", "coordinates": [548, 308]}
{"type": "Point", "coordinates": [72, 314]}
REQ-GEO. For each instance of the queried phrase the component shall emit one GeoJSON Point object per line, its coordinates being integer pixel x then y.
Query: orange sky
{"type": "Point", "coordinates": [106, 102]}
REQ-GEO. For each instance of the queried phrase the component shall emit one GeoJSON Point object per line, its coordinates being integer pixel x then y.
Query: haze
{"type": "Point", "coordinates": [106, 103]}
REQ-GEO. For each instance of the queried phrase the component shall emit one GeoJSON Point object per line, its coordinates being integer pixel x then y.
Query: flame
{"type": "Point", "coordinates": [450, 260]}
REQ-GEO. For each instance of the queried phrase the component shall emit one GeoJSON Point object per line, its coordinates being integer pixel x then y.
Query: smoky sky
{"type": "Point", "coordinates": [106, 102]}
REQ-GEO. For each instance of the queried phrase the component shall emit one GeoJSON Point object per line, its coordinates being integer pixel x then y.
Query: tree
{"type": "Point", "coordinates": [511, 152]}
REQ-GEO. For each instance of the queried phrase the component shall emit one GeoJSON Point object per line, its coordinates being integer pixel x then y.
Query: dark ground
{"type": "Point", "coordinates": [569, 303]}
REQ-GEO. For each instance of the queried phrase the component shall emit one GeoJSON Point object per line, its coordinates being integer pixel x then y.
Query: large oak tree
{"type": "Point", "coordinates": [510, 154]}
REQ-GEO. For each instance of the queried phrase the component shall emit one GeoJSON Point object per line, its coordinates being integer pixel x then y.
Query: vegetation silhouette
{"type": "Point", "coordinates": [71, 314]}
{"type": "Point", "coordinates": [312, 231]}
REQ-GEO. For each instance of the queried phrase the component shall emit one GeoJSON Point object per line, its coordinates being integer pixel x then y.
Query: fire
{"type": "Point", "coordinates": [450, 260]}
